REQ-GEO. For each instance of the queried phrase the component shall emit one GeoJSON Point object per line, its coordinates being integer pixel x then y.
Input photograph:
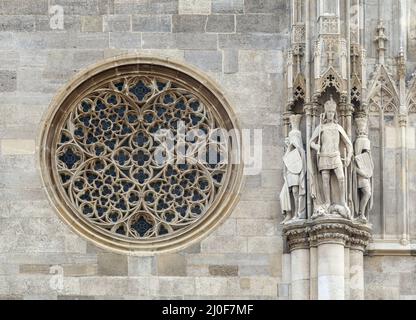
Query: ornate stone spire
{"type": "Point", "coordinates": [381, 40]}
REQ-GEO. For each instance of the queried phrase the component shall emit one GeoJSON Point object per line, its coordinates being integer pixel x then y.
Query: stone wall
{"type": "Point", "coordinates": [240, 44]}
{"type": "Point", "coordinates": [390, 277]}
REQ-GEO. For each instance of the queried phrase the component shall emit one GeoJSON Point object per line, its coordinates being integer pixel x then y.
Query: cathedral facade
{"type": "Point", "coordinates": [208, 149]}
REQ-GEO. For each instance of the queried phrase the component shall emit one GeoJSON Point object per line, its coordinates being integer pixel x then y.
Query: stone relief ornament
{"type": "Point", "coordinates": [293, 194]}
{"type": "Point", "coordinates": [330, 152]}
{"type": "Point", "coordinates": [362, 172]}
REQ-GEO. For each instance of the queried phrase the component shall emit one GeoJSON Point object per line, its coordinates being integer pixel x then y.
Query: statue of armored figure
{"type": "Point", "coordinates": [330, 154]}
{"type": "Point", "coordinates": [363, 171]}
{"type": "Point", "coordinates": [293, 195]}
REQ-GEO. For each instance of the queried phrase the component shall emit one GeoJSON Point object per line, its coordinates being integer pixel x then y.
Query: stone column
{"type": "Point", "coordinates": [333, 236]}
{"type": "Point", "coordinates": [331, 283]}
{"type": "Point", "coordinates": [356, 274]}
{"type": "Point", "coordinates": [359, 237]}
{"type": "Point", "coordinates": [297, 240]}
{"type": "Point", "coordinates": [313, 253]}
{"type": "Point", "coordinates": [327, 258]}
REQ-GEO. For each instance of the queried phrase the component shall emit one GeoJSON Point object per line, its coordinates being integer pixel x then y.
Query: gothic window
{"type": "Point", "coordinates": [134, 155]}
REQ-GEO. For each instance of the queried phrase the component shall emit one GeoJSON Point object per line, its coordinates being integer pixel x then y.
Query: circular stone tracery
{"type": "Point", "coordinates": [109, 163]}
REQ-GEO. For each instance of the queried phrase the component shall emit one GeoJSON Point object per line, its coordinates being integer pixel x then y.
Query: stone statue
{"type": "Point", "coordinates": [362, 171]}
{"type": "Point", "coordinates": [330, 153]}
{"type": "Point", "coordinates": [293, 195]}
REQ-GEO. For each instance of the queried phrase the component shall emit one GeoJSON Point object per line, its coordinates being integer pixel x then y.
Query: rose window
{"type": "Point", "coordinates": [138, 156]}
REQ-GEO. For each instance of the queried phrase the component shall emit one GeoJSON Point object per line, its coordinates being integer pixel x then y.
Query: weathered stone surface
{"type": "Point", "coordinates": [228, 6]}
{"type": "Point", "coordinates": [194, 6]}
{"type": "Point", "coordinates": [149, 7]}
{"type": "Point", "coordinates": [196, 41]}
{"type": "Point", "coordinates": [7, 80]}
{"type": "Point", "coordinates": [270, 61]}
{"type": "Point", "coordinates": [220, 23]}
{"type": "Point", "coordinates": [159, 23]}
{"type": "Point", "coordinates": [79, 270]}
{"type": "Point", "coordinates": [171, 265]}
{"type": "Point", "coordinates": [110, 264]}
{"type": "Point", "coordinates": [61, 40]}
{"type": "Point", "coordinates": [205, 60]}
{"type": "Point", "coordinates": [15, 147]}
{"type": "Point", "coordinates": [265, 23]}
{"type": "Point", "coordinates": [189, 23]}
{"type": "Point", "coordinates": [230, 61]}
{"type": "Point", "coordinates": [141, 266]}
{"type": "Point", "coordinates": [125, 40]}
{"type": "Point", "coordinates": [35, 268]}
{"type": "Point", "coordinates": [17, 23]}
{"type": "Point", "coordinates": [265, 6]}
{"type": "Point", "coordinates": [224, 244]}
{"type": "Point", "coordinates": [22, 7]}
{"type": "Point", "coordinates": [117, 23]}
{"type": "Point", "coordinates": [91, 24]}
{"type": "Point", "coordinates": [252, 41]}
{"type": "Point", "coordinates": [71, 23]}
{"type": "Point", "coordinates": [253, 227]}
{"type": "Point", "coordinates": [223, 271]}
{"type": "Point", "coordinates": [82, 7]}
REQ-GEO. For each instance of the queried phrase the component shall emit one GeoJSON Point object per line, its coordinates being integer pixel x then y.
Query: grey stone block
{"type": "Point", "coordinates": [8, 81]}
{"type": "Point", "coordinates": [253, 41]}
{"type": "Point", "coordinates": [80, 270]}
{"type": "Point", "coordinates": [173, 287]}
{"type": "Point", "coordinates": [223, 271]}
{"type": "Point", "coordinates": [407, 283]}
{"type": "Point", "coordinates": [206, 60]}
{"type": "Point", "coordinates": [61, 40]}
{"type": "Point", "coordinates": [194, 6]}
{"type": "Point", "coordinates": [125, 40]}
{"type": "Point", "coordinates": [84, 58]}
{"type": "Point", "coordinates": [146, 6]}
{"type": "Point", "coordinates": [141, 266]}
{"type": "Point", "coordinates": [266, 6]}
{"type": "Point", "coordinates": [265, 23]}
{"type": "Point", "coordinates": [17, 23]}
{"type": "Point", "coordinates": [34, 268]}
{"type": "Point", "coordinates": [84, 7]}
{"type": "Point", "coordinates": [71, 23]}
{"type": "Point", "coordinates": [246, 271]}
{"type": "Point", "coordinates": [197, 41]}
{"type": "Point", "coordinates": [17, 7]}
{"type": "Point", "coordinates": [227, 6]}
{"type": "Point", "coordinates": [195, 248]}
{"type": "Point", "coordinates": [117, 23]}
{"type": "Point", "coordinates": [171, 265]}
{"type": "Point", "coordinates": [110, 264]}
{"type": "Point", "coordinates": [189, 23]}
{"type": "Point", "coordinates": [155, 23]}
{"type": "Point", "coordinates": [7, 40]}
{"type": "Point", "coordinates": [220, 23]}
{"type": "Point", "coordinates": [230, 61]}
{"type": "Point", "coordinates": [91, 24]}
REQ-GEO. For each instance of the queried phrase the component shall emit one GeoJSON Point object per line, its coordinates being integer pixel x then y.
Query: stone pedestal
{"type": "Point", "coordinates": [327, 258]}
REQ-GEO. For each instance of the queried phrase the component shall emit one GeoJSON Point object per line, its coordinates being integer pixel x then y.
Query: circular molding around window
{"type": "Point", "coordinates": [102, 163]}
